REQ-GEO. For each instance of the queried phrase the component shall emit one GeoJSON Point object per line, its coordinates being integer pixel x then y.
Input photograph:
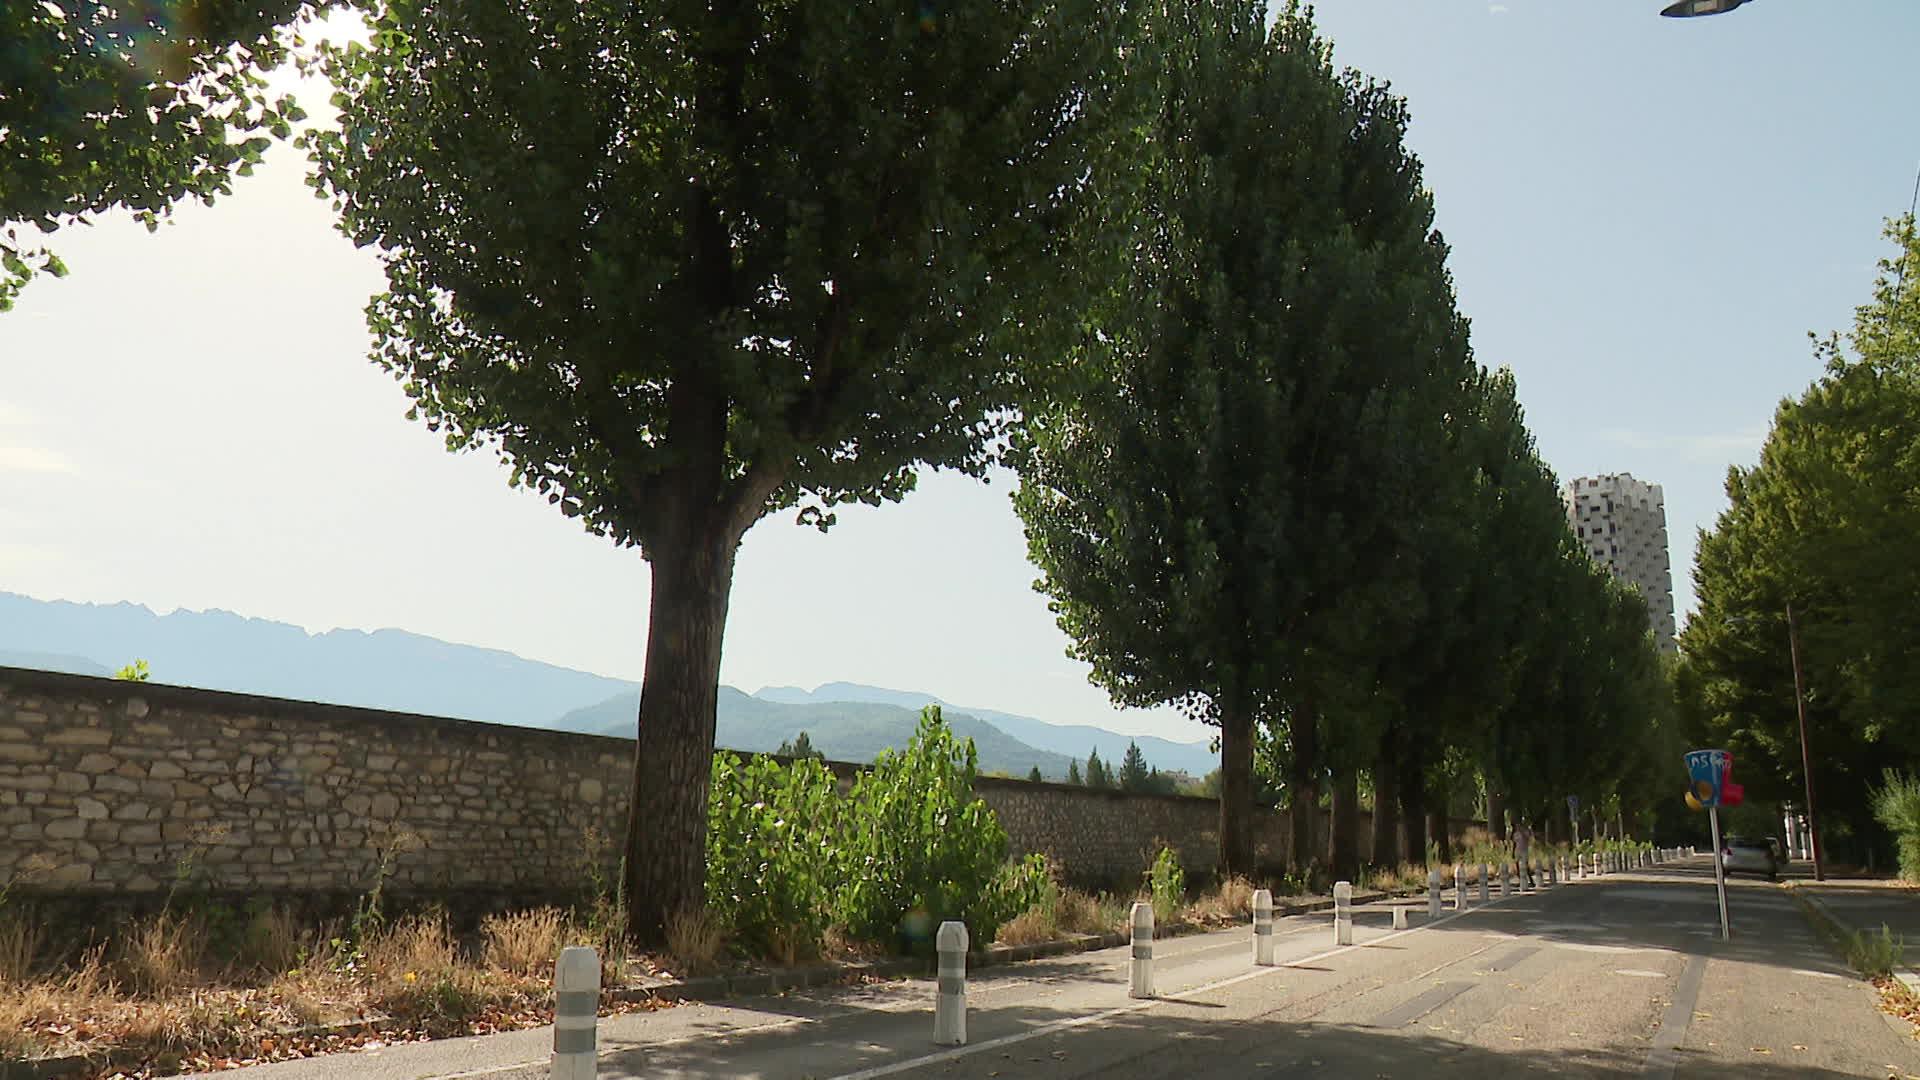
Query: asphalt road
{"type": "Point", "coordinates": [1621, 976]}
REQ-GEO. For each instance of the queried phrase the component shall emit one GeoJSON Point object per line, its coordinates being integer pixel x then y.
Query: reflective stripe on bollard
{"type": "Point", "coordinates": [1343, 913]}
{"type": "Point", "coordinates": [576, 1013]}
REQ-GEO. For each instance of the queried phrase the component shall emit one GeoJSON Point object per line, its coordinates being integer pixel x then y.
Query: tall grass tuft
{"type": "Point", "coordinates": [1896, 803]}
{"type": "Point", "coordinates": [1875, 955]}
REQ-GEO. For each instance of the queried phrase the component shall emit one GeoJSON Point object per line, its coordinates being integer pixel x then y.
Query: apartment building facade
{"type": "Point", "coordinates": [1622, 522]}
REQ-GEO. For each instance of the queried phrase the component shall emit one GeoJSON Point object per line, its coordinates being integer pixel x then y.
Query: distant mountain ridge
{"type": "Point", "coordinates": [406, 672]}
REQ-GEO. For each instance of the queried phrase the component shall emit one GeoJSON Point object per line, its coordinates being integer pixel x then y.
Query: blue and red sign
{"type": "Point", "coordinates": [1710, 778]}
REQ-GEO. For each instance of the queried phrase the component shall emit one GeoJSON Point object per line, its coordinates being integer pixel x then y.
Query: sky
{"type": "Point", "coordinates": [1647, 217]}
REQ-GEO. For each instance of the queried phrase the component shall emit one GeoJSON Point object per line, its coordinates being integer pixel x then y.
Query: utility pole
{"type": "Point", "coordinates": [1806, 754]}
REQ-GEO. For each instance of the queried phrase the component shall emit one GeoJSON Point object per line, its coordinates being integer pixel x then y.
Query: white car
{"type": "Point", "coordinates": [1750, 855]}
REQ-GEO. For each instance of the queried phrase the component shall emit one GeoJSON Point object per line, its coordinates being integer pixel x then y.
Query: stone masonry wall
{"type": "Point", "coordinates": [109, 787]}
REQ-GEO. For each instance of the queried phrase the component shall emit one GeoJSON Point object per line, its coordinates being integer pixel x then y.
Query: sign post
{"type": "Point", "coordinates": [1710, 774]}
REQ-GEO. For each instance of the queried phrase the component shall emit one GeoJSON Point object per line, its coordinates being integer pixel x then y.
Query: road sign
{"type": "Point", "coordinates": [1710, 776]}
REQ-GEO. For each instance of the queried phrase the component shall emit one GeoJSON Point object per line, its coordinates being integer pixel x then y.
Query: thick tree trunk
{"type": "Point", "coordinates": [1386, 803]}
{"type": "Point", "coordinates": [1413, 804]}
{"type": "Point", "coordinates": [673, 758]}
{"type": "Point", "coordinates": [1344, 831]}
{"type": "Point", "coordinates": [1303, 784]}
{"type": "Point", "coordinates": [1496, 813]}
{"type": "Point", "coordinates": [1236, 787]}
{"type": "Point", "coordinates": [1437, 826]}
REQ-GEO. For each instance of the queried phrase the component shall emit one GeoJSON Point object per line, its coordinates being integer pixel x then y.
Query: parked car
{"type": "Point", "coordinates": [1751, 855]}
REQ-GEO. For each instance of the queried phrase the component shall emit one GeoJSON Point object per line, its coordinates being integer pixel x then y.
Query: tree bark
{"type": "Point", "coordinates": [1496, 813]}
{"type": "Point", "coordinates": [1303, 783]}
{"type": "Point", "coordinates": [1386, 803]}
{"type": "Point", "coordinates": [1343, 833]}
{"type": "Point", "coordinates": [673, 756]}
{"type": "Point", "coordinates": [1236, 786]}
{"type": "Point", "coordinates": [1438, 827]}
{"type": "Point", "coordinates": [1412, 790]}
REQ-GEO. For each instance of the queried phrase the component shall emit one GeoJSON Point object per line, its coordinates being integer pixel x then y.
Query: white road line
{"type": "Point", "coordinates": [959, 1052]}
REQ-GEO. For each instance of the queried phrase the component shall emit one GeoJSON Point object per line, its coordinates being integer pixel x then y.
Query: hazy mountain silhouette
{"type": "Point", "coordinates": [1074, 740]}
{"type": "Point", "coordinates": [218, 650]}
{"type": "Point", "coordinates": [394, 669]}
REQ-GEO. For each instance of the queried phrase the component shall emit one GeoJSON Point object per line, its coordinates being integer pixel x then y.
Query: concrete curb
{"type": "Point", "coordinates": [1842, 930]}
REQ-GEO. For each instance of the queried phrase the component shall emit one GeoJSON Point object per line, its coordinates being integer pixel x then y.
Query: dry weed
{"type": "Point", "coordinates": [419, 945]}
{"type": "Point", "coordinates": [274, 941]}
{"type": "Point", "coordinates": [162, 954]}
{"type": "Point", "coordinates": [1030, 927]}
{"type": "Point", "coordinates": [20, 940]}
{"type": "Point", "coordinates": [526, 943]}
{"type": "Point", "coordinates": [696, 941]}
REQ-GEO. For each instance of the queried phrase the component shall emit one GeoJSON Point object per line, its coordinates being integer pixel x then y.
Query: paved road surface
{"type": "Point", "coordinates": [1622, 976]}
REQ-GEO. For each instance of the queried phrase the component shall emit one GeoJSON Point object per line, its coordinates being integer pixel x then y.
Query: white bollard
{"type": "Point", "coordinates": [1459, 887]}
{"type": "Point", "coordinates": [1343, 913]}
{"type": "Point", "coordinates": [1399, 917]}
{"type": "Point", "coordinates": [1433, 893]}
{"type": "Point", "coordinates": [1485, 873]}
{"type": "Point", "coordinates": [1142, 950]}
{"type": "Point", "coordinates": [950, 1004]}
{"type": "Point", "coordinates": [576, 1013]}
{"type": "Point", "coordinates": [1503, 881]}
{"type": "Point", "coordinates": [1263, 928]}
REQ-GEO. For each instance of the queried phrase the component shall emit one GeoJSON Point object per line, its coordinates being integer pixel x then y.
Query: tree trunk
{"type": "Point", "coordinates": [1236, 786]}
{"type": "Point", "coordinates": [1413, 803]}
{"type": "Point", "coordinates": [1496, 813]}
{"type": "Point", "coordinates": [1344, 838]}
{"type": "Point", "coordinates": [1303, 783]}
{"type": "Point", "coordinates": [1438, 827]}
{"type": "Point", "coordinates": [1386, 803]}
{"type": "Point", "coordinates": [673, 757]}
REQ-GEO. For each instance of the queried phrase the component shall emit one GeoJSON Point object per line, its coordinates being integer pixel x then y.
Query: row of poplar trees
{"type": "Point", "coordinates": [686, 265]}
{"type": "Point", "coordinates": [1281, 492]}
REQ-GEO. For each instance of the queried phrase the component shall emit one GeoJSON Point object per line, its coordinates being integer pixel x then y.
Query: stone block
{"type": "Point", "coordinates": [184, 789]}
{"type": "Point", "coordinates": [137, 707]}
{"type": "Point", "coordinates": [148, 833]}
{"type": "Point", "coordinates": [29, 716]}
{"type": "Point", "coordinates": [385, 806]}
{"type": "Point", "coordinates": [121, 784]}
{"type": "Point", "coordinates": [151, 728]}
{"type": "Point", "coordinates": [165, 770]}
{"type": "Point", "coordinates": [71, 782]}
{"type": "Point", "coordinates": [226, 790]}
{"type": "Point", "coordinates": [13, 734]}
{"type": "Point", "coordinates": [26, 753]}
{"type": "Point", "coordinates": [381, 762]}
{"type": "Point", "coordinates": [33, 781]}
{"type": "Point", "coordinates": [90, 809]}
{"type": "Point", "coordinates": [357, 805]}
{"type": "Point", "coordinates": [79, 736]}
{"type": "Point", "coordinates": [71, 874]}
{"type": "Point", "coordinates": [65, 829]}
{"type": "Point", "coordinates": [592, 790]}
{"type": "Point", "coordinates": [133, 811]}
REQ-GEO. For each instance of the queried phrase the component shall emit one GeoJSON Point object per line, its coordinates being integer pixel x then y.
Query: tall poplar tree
{"type": "Point", "coordinates": [1243, 433]}
{"type": "Point", "coordinates": [684, 265]}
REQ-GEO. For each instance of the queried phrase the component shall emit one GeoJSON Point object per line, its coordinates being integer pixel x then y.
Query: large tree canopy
{"type": "Point", "coordinates": [1825, 523]}
{"type": "Point", "coordinates": [136, 105]}
{"type": "Point", "coordinates": [1223, 487]}
{"type": "Point", "coordinates": [687, 263]}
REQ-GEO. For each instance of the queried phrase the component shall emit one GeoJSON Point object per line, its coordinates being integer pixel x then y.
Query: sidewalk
{"type": "Point", "coordinates": [1863, 906]}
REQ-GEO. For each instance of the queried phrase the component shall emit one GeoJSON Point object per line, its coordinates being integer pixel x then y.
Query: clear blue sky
{"type": "Point", "coordinates": [1647, 218]}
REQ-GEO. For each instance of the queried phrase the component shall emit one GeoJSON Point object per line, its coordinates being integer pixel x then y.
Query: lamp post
{"type": "Point", "coordinates": [1806, 754]}
{"type": "Point", "coordinates": [1687, 9]}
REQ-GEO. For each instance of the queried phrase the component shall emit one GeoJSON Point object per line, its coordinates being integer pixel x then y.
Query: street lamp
{"type": "Point", "coordinates": [1687, 9]}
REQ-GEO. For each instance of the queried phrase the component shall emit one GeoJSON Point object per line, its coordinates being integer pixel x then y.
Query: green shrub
{"type": "Point", "coordinates": [1166, 885]}
{"type": "Point", "coordinates": [770, 830]}
{"type": "Point", "coordinates": [918, 848]}
{"type": "Point", "coordinates": [1896, 805]}
{"type": "Point", "coordinates": [1874, 954]}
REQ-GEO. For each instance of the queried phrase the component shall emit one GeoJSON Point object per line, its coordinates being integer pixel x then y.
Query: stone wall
{"type": "Point", "coordinates": [110, 787]}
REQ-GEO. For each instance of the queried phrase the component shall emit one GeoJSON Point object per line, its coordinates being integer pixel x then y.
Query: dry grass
{"type": "Point", "coordinates": [419, 945]}
{"type": "Point", "coordinates": [274, 941]}
{"type": "Point", "coordinates": [1230, 902]}
{"type": "Point", "coordinates": [526, 943]}
{"type": "Point", "coordinates": [1030, 927]}
{"type": "Point", "coordinates": [162, 954]}
{"type": "Point", "coordinates": [696, 941]}
{"type": "Point", "coordinates": [20, 941]}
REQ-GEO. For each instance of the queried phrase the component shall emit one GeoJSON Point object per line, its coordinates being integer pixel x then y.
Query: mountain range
{"type": "Point", "coordinates": [406, 672]}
